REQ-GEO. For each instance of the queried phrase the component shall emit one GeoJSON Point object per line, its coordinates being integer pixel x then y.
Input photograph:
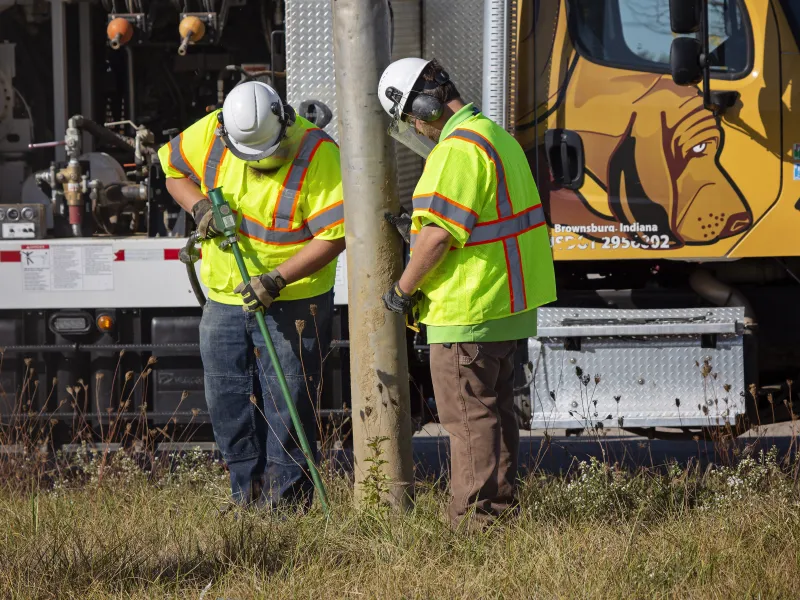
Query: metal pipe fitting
{"type": "Point", "coordinates": [119, 32]}
{"type": "Point", "coordinates": [191, 30]}
{"type": "Point", "coordinates": [721, 294]}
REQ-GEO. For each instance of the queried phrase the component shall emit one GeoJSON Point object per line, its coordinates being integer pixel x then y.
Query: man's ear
{"type": "Point", "coordinates": [627, 198]}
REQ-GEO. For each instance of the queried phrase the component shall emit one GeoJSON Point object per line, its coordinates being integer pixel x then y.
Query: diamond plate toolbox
{"type": "Point", "coordinates": [637, 368]}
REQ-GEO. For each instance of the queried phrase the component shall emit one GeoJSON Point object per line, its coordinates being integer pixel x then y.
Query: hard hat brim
{"type": "Point", "coordinates": [250, 153]}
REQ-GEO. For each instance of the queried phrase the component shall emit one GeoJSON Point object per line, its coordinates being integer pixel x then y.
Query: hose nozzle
{"type": "Point", "coordinates": [119, 32]}
{"type": "Point", "coordinates": [184, 45]}
{"type": "Point", "coordinates": [191, 30]}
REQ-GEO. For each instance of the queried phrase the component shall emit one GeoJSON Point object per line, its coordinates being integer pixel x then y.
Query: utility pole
{"type": "Point", "coordinates": [378, 355]}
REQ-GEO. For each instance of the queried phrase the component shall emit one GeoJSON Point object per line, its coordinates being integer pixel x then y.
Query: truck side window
{"type": "Point", "coordinates": [635, 34]}
{"type": "Point", "coordinates": [792, 10]}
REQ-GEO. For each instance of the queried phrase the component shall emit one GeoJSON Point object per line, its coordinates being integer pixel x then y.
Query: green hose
{"type": "Point", "coordinates": [225, 221]}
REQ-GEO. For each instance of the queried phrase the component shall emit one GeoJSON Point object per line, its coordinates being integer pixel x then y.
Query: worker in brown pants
{"type": "Point", "coordinates": [474, 386]}
{"type": "Point", "coordinates": [480, 266]}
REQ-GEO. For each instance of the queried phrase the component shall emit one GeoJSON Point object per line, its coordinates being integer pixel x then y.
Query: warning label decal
{"type": "Point", "coordinates": [48, 268]}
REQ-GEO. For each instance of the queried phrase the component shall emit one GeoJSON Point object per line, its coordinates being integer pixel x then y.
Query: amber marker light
{"type": "Point", "coordinates": [105, 323]}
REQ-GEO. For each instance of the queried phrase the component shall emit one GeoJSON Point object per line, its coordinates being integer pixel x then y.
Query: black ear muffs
{"type": "Point", "coordinates": [421, 106]}
{"type": "Point", "coordinates": [288, 118]}
{"type": "Point", "coordinates": [426, 108]}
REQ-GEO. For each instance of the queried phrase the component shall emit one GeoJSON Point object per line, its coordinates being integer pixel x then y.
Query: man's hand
{"type": "Point", "coordinates": [203, 215]}
{"type": "Point", "coordinates": [402, 223]}
{"type": "Point", "coordinates": [396, 300]}
{"type": "Point", "coordinates": [259, 293]}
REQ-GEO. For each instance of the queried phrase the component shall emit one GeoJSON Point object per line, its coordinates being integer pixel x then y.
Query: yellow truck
{"type": "Point", "coordinates": [656, 174]}
{"type": "Point", "coordinates": [667, 157]}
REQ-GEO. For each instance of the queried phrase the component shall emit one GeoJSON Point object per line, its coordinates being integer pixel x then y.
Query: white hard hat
{"type": "Point", "coordinates": [402, 95]}
{"type": "Point", "coordinates": [401, 75]}
{"type": "Point", "coordinates": [254, 120]}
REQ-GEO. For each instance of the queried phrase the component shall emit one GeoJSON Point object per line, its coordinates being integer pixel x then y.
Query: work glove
{"type": "Point", "coordinates": [402, 223]}
{"type": "Point", "coordinates": [396, 300]}
{"type": "Point", "coordinates": [261, 290]}
{"type": "Point", "coordinates": [203, 216]}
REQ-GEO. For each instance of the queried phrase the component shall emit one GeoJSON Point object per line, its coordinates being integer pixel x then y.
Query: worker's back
{"type": "Point", "coordinates": [477, 183]}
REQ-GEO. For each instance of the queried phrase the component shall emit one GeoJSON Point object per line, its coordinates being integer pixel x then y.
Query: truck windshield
{"type": "Point", "coordinates": [636, 34]}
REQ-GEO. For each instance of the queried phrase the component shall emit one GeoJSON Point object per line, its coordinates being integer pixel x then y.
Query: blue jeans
{"type": "Point", "coordinates": [251, 422]}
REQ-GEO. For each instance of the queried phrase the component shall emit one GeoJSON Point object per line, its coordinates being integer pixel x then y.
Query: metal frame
{"type": "Point", "coordinates": [87, 70]}
{"type": "Point", "coordinates": [58, 24]}
{"type": "Point", "coordinates": [566, 322]}
{"type": "Point", "coordinates": [496, 47]}
{"type": "Point", "coordinates": [600, 368]}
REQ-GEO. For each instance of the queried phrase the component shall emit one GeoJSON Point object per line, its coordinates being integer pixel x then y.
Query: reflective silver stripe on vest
{"type": "Point", "coordinates": [504, 208]}
{"type": "Point", "coordinates": [516, 281]}
{"type": "Point", "coordinates": [455, 213]}
{"type": "Point", "coordinates": [213, 161]}
{"type": "Point", "coordinates": [326, 218]}
{"type": "Point", "coordinates": [257, 231]}
{"type": "Point", "coordinates": [493, 231]}
{"type": "Point", "coordinates": [293, 183]}
{"type": "Point", "coordinates": [177, 161]}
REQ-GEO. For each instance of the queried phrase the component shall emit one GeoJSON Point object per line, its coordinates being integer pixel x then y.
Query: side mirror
{"type": "Point", "coordinates": [684, 61]}
{"type": "Point", "coordinates": [684, 15]}
{"type": "Point", "coordinates": [315, 111]}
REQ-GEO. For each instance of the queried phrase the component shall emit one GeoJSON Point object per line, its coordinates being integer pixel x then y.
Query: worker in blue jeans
{"type": "Point", "coordinates": [251, 421]}
{"type": "Point", "coordinates": [281, 176]}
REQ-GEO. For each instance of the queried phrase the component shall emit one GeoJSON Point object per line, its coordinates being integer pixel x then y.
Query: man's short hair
{"type": "Point", "coordinates": [444, 92]}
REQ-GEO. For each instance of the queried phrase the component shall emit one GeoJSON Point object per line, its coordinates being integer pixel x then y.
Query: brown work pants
{"type": "Point", "coordinates": [474, 388]}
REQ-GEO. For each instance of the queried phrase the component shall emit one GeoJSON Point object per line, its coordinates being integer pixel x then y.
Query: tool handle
{"type": "Point", "coordinates": [216, 197]}
{"type": "Point", "coordinates": [47, 145]}
{"type": "Point", "coordinates": [224, 218]}
{"type": "Point", "coordinates": [273, 355]}
{"type": "Point", "coordinates": [226, 222]}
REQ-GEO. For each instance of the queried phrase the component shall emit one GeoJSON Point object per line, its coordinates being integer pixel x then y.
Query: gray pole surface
{"type": "Point", "coordinates": [378, 358]}
{"type": "Point", "coordinates": [58, 26]}
{"type": "Point", "coordinates": [87, 76]}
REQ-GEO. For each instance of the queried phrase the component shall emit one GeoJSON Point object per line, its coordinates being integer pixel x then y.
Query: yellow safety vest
{"type": "Point", "coordinates": [477, 185]}
{"type": "Point", "coordinates": [278, 212]}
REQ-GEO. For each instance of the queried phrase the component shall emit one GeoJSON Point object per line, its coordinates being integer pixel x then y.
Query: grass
{"type": "Point", "coordinates": [141, 524]}
{"type": "Point", "coordinates": [597, 532]}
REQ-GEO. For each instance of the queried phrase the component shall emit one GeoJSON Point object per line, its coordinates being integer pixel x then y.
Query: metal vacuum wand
{"type": "Point", "coordinates": [225, 221]}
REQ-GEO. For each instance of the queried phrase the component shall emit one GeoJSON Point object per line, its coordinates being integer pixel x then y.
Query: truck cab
{"type": "Point", "coordinates": [639, 167]}
{"type": "Point", "coordinates": [667, 193]}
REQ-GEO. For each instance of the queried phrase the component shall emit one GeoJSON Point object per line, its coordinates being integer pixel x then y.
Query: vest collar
{"type": "Point", "coordinates": [462, 115]}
